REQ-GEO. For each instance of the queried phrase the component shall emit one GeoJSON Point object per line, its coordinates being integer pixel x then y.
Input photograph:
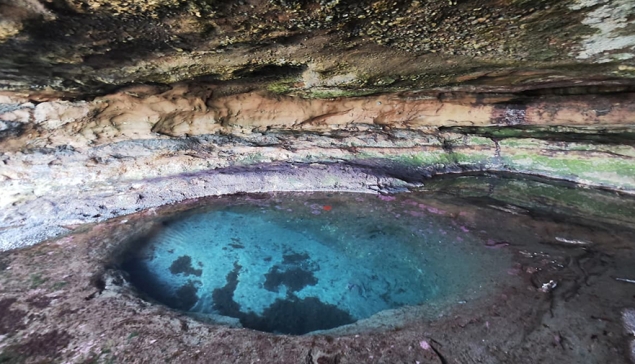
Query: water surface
{"type": "Point", "coordinates": [295, 263]}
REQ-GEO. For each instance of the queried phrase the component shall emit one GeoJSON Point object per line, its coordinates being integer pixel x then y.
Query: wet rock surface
{"type": "Point", "coordinates": [32, 221]}
{"type": "Point", "coordinates": [561, 301]}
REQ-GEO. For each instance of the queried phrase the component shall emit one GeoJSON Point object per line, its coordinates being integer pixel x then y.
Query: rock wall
{"type": "Point", "coordinates": [122, 151]}
{"type": "Point", "coordinates": [105, 96]}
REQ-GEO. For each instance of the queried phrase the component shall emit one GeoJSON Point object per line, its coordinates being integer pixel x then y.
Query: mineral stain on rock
{"type": "Point", "coordinates": [41, 345]}
{"type": "Point", "coordinates": [10, 320]}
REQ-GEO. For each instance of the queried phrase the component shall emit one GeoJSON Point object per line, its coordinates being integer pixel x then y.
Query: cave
{"type": "Point", "coordinates": [333, 181]}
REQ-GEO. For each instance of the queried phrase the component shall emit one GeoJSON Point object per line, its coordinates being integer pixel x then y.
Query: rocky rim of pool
{"type": "Point", "coordinates": [564, 285]}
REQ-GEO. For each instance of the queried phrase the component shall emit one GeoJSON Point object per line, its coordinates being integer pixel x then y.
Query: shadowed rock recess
{"type": "Point", "coordinates": [511, 121]}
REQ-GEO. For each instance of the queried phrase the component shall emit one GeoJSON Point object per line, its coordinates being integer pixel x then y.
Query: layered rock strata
{"type": "Point", "coordinates": [121, 141]}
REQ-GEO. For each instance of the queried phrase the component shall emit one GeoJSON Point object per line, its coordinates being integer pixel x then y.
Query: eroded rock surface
{"type": "Point", "coordinates": [140, 134]}
{"type": "Point", "coordinates": [100, 93]}
{"type": "Point", "coordinates": [65, 299]}
{"type": "Point", "coordinates": [77, 48]}
{"type": "Point", "coordinates": [112, 109]}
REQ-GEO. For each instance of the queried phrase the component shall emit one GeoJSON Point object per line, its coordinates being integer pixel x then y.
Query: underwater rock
{"type": "Point", "coordinates": [183, 264]}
